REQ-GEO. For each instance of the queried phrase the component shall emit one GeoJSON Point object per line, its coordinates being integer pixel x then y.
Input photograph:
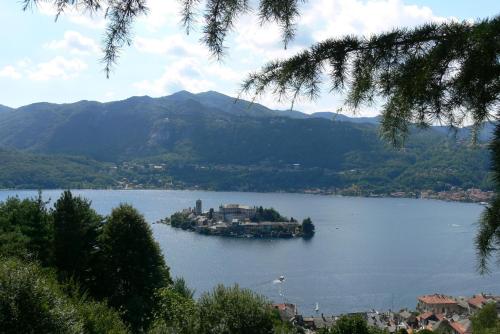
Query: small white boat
{"type": "Point", "coordinates": [282, 278]}
{"type": "Point", "coordinates": [317, 307]}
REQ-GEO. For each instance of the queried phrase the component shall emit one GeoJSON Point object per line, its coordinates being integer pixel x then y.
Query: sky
{"type": "Point", "coordinates": [59, 62]}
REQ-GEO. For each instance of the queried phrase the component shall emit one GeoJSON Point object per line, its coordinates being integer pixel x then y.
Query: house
{"type": "Point", "coordinates": [477, 302]}
{"type": "Point", "coordinates": [286, 311]}
{"type": "Point", "coordinates": [438, 303]}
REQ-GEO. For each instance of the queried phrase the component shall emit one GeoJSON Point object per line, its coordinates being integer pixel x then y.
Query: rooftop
{"type": "Point", "coordinates": [436, 299]}
{"type": "Point", "coordinates": [477, 301]}
{"type": "Point", "coordinates": [235, 206]}
{"type": "Point", "coordinates": [461, 327]}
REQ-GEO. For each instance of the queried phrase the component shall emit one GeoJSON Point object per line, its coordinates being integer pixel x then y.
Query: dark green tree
{"type": "Point", "coordinates": [228, 310]}
{"type": "Point", "coordinates": [26, 229]}
{"type": "Point", "coordinates": [132, 266]}
{"type": "Point", "coordinates": [76, 228]}
{"type": "Point", "coordinates": [486, 320]}
{"type": "Point", "coordinates": [308, 227]}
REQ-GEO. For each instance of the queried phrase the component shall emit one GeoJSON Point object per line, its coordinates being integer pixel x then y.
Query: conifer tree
{"type": "Point", "coordinates": [76, 227]}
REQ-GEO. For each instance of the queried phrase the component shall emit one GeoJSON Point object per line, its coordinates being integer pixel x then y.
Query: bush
{"type": "Point", "coordinates": [229, 310]}
{"type": "Point", "coordinates": [31, 301]}
{"type": "Point", "coordinates": [174, 313]}
{"type": "Point", "coordinates": [98, 318]}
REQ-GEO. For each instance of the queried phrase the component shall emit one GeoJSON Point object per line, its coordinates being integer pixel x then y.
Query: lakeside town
{"type": "Point", "coordinates": [162, 180]}
{"type": "Point", "coordinates": [436, 313]}
{"type": "Point", "coordinates": [241, 221]}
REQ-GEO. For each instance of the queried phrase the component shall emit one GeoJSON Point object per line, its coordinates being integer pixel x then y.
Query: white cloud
{"type": "Point", "coordinates": [10, 71]}
{"type": "Point", "coordinates": [335, 18]}
{"type": "Point", "coordinates": [183, 74]}
{"type": "Point", "coordinates": [93, 21]}
{"type": "Point", "coordinates": [161, 13]}
{"type": "Point", "coordinates": [57, 68]}
{"type": "Point", "coordinates": [75, 43]}
{"type": "Point", "coordinates": [174, 45]}
{"type": "Point", "coordinates": [24, 63]}
{"type": "Point", "coordinates": [322, 19]}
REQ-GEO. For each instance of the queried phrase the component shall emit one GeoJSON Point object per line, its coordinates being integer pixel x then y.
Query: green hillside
{"type": "Point", "coordinates": [208, 140]}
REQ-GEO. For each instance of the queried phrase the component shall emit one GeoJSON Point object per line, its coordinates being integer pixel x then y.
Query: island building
{"type": "Point", "coordinates": [230, 212]}
{"type": "Point", "coordinates": [238, 220]}
{"type": "Point", "coordinates": [198, 207]}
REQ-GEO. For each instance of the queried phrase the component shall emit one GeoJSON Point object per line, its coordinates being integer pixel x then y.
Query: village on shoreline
{"type": "Point", "coordinates": [240, 221]}
{"type": "Point", "coordinates": [436, 313]}
{"type": "Point", "coordinates": [454, 194]}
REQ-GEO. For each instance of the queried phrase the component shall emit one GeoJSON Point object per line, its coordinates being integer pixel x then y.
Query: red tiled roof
{"type": "Point", "coordinates": [460, 328]}
{"type": "Point", "coordinates": [436, 299]}
{"type": "Point", "coordinates": [440, 316]}
{"type": "Point", "coordinates": [425, 315]}
{"type": "Point", "coordinates": [477, 300]}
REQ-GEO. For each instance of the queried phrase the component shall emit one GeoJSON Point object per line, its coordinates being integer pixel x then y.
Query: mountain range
{"type": "Point", "coordinates": [213, 141]}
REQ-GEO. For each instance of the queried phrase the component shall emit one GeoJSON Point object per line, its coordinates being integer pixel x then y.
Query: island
{"type": "Point", "coordinates": [240, 221]}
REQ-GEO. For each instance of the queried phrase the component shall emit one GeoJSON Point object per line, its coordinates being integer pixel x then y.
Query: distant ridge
{"type": "Point", "coordinates": [213, 141]}
{"type": "Point", "coordinates": [4, 108]}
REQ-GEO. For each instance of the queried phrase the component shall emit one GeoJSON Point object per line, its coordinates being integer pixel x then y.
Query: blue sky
{"type": "Point", "coordinates": [43, 60]}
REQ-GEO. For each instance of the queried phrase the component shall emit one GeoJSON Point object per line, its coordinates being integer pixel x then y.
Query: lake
{"type": "Point", "coordinates": [367, 252]}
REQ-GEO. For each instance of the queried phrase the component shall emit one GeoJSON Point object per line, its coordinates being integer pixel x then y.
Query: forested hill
{"type": "Point", "coordinates": [212, 141]}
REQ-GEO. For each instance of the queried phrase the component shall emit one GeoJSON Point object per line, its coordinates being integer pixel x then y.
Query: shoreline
{"type": "Point", "coordinates": [316, 192]}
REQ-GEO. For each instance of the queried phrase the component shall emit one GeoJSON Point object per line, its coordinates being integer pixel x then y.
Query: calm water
{"type": "Point", "coordinates": [367, 252]}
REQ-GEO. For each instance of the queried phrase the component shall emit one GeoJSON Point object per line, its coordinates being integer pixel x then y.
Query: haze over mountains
{"type": "Point", "coordinates": [212, 141]}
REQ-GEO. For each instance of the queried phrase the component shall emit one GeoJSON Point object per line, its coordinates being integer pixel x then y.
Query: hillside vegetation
{"type": "Point", "coordinates": [210, 141]}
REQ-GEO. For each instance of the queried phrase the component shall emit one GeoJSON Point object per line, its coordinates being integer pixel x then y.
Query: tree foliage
{"type": "Point", "coordinates": [446, 72]}
{"type": "Point", "coordinates": [351, 324]}
{"type": "Point", "coordinates": [174, 313]}
{"type": "Point", "coordinates": [32, 301]}
{"type": "Point", "coordinates": [486, 320]}
{"type": "Point", "coordinates": [488, 236]}
{"type": "Point", "coordinates": [268, 215]}
{"type": "Point", "coordinates": [76, 227]}
{"type": "Point", "coordinates": [218, 18]}
{"type": "Point", "coordinates": [26, 229]}
{"type": "Point", "coordinates": [308, 227]}
{"type": "Point", "coordinates": [133, 267]}
{"type": "Point", "coordinates": [228, 310]}
{"type": "Point", "coordinates": [94, 262]}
